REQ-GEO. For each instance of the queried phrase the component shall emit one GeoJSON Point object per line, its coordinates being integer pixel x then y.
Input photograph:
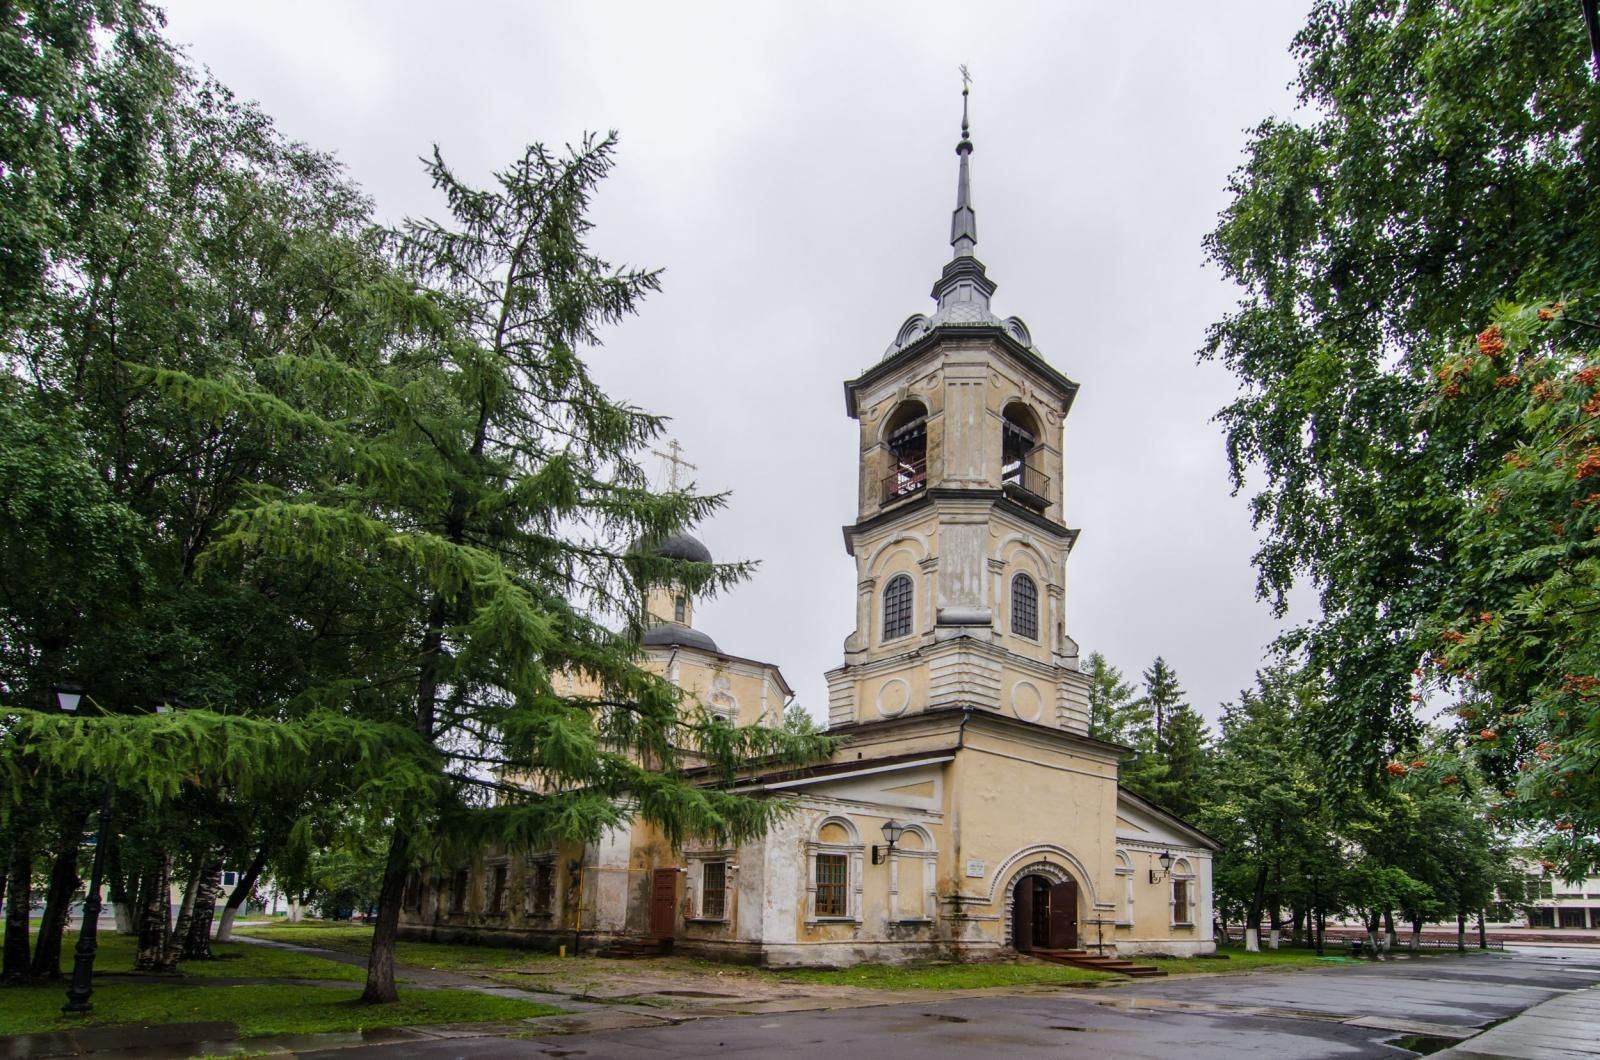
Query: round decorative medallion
{"type": "Point", "coordinates": [894, 696]}
{"type": "Point", "coordinates": [1026, 701]}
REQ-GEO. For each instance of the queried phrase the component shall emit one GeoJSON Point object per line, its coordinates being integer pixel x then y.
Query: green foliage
{"type": "Point", "coordinates": [1443, 162]}
{"type": "Point", "coordinates": [255, 1010]}
{"type": "Point", "coordinates": [1115, 711]}
{"type": "Point", "coordinates": [1514, 640]}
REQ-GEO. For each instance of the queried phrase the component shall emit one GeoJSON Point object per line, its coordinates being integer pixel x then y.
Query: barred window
{"type": "Point", "coordinates": [714, 890]}
{"type": "Point", "coordinates": [833, 875]}
{"type": "Point", "coordinates": [680, 609]}
{"type": "Point", "coordinates": [495, 899]}
{"type": "Point", "coordinates": [897, 607]}
{"type": "Point", "coordinates": [541, 887]}
{"type": "Point", "coordinates": [1024, 607]}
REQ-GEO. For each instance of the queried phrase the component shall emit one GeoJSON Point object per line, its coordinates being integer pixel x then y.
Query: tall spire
{"type": "Point", "coordinates": [964, 222]}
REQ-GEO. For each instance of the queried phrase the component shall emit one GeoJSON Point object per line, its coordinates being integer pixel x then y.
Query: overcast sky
{"type": "Point", "coordinates": [791, 166]}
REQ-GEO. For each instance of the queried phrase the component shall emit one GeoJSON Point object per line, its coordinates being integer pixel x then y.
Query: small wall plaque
{"type": "Point", "coordinates": [975, 869]}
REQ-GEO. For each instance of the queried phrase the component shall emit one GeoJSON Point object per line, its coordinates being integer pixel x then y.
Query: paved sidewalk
{"type": "Point", "coordinates": [1563, 1027]}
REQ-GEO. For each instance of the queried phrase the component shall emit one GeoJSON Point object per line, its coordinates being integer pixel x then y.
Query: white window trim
{"type": "Point", "coordinates": [855, 857]}
{"type": "Point", "coordinates": [694, 883]}
{"type": "Point", "coordinates": [924, 882]}
{"type": "Point", "coordinates": [1125, 876]}
{"type": "Point", "coordinates": [1181, 871]}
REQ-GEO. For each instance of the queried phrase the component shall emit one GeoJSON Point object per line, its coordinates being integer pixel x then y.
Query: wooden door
{"type": "Point", "coordinates": [1064, 916]}
{"type": "Point", "coordinates": [664, 903]}
{"type": "Point", "coordinates": [1022, 915]}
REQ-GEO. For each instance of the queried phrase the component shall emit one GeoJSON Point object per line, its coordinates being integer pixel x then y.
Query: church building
{"type": "Point", "coordinates": [968, 813]}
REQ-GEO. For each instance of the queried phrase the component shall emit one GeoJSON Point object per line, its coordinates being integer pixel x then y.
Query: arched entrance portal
{"type": "Point", "coordinates": [1044, 914]}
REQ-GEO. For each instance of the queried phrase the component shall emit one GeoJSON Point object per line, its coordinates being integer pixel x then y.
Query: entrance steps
{"type": "Point", "coordinates": [633, 948]}
{"type": "Point", "coordinates": [1085, 959]}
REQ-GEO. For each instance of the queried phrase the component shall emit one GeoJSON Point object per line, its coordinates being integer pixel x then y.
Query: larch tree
{"type": "Point", "coordinates": [479, 484]}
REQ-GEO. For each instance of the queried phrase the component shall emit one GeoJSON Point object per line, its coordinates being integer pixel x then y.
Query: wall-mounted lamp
{"type": "Point", "coordinates": [892, 831]}
{"type": "Point", "coordinates": [68, 696]}
{"type": "Point", "coordinates": [1166, 867]}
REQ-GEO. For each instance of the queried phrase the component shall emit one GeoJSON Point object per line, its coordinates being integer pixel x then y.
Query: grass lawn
{"type": "Point", "coordinates": [115, 953]}
{"type": "Point", "coordinates": [1241, 961]}
{"type": "Point", "coordinates": [945, 976]}
{"type": "Point", "coordinates": [255, 1010]}
{"type": "Point", "coordinates": [357, 938]}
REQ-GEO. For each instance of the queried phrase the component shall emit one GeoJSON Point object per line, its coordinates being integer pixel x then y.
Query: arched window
{"type": "Point", "coordinates": [1025, 607]}
{"type": "Point", "coordinates": [680, 609]}
{"type": "Point", "coordinates": [905, 435]}
{"type": "Point", "coordinates": [897, 607]}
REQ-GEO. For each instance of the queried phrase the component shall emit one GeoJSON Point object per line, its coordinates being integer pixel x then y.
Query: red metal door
{"type": "Point", "coordinates": [664, 903]}
{"type": "Point", "coordinates": [1064, 916]}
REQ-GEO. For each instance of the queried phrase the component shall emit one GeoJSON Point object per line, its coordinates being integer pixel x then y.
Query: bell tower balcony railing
{"type": "Point", "coordinates": [1026, 485]}
{"type": "Point", "coordinates": [907, 478]}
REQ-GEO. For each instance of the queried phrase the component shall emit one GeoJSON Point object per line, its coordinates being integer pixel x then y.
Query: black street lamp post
{"type": "Point", "coordinates": [82, 984]}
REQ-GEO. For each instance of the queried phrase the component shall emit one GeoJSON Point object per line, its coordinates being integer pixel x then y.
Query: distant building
{"type": "Point", "coordinates": [960, 694]}
{"type": "Point", "coordinates": [1543, 900]}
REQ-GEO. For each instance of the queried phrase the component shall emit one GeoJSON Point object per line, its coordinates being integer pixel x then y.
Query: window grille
{"type": "Point", "coordinates": [680, 609]}
{"type": "Point", "coordinates": [897, 607]}
{"type": "Point", "coordinates": [714, 890]}
{"type": "Point", "coordinates": [833, 877]}
{"type": "Point", "coordinates": [541, 887]}
{"type": "Point", "coordinates": [1024, 607]}
{"type": "Point", "coordinates": [496, 903]}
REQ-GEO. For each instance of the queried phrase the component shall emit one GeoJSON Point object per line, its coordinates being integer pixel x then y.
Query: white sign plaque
{"type": "Point", "coordinates": [975, 869]}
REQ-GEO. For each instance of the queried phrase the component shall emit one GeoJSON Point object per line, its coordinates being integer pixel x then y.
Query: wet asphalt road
{"type": "Point", "coordinates": [1289, 1015]}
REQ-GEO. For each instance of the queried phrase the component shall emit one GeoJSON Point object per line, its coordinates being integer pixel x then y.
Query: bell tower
{"type": "Point", "coordinates": [959, 540]}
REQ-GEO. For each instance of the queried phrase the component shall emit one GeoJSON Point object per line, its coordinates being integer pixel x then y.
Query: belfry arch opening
{"type": "Point", "coordinates": [905, 436]}
{"type": "Point", "coordinates": [1020, 452]}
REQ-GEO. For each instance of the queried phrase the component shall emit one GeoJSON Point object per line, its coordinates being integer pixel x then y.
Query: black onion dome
{"type": "Point", "coordinates": [684, 547]}
{"type": "Point", "coordinates": [673, 635]}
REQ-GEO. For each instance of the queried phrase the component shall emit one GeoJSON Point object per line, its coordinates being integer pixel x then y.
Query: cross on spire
{"type": "Point", "coordinates": [675, 463]}
{"type": "Point", "coordinates": [964, 222]}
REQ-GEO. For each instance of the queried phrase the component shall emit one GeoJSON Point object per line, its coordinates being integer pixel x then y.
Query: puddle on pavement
{"type": "Point", "coordinates": [942, 1018]}
{"type": "Point", "coordinates": [1421, 1044]}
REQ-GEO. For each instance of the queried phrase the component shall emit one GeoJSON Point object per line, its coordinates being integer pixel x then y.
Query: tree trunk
{"type": "Point", "coordinates": [58, 904]}
{"type": "Point", "coordinates": [241, 892]}
{"type": "Point", "coordinates": [19, 896]}
{"type": "Point", "coordinates": [1322, 928]}
{"type": "Point", "coordinates": [1416, 934]}
{"type": "Point", "coordinates": [1297, 925]}
{"type": "Point", "coordinates": [380, 988]}
{"type": "Point", "coordinates": [295, 910]}
{"type": "Point", "coordinates": [1461, 931]}
{"type": "Point", "coordinates": [122, 906]}
{"type": "Point", "coordinates": [155, 914]}
{"type": "Point", "coordinates": [1252, 917]}
{"type": "Point", "coordinates": [380, 962]}
{"type": "Point", "coordinates": [173, 952]}
{"type": "Point", "coordinates": [1388, 931]}
{"type": "Point", "coordinates": [1483, 931]}
{"type": "Point", "coordinates": [1371, 919]}
{"type": "Point", "coordinates": [197, 941]}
